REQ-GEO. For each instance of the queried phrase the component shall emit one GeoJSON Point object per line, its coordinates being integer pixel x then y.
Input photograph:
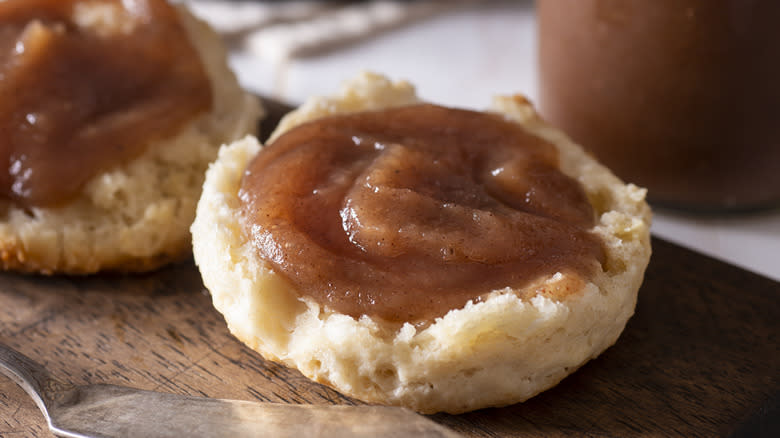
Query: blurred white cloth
{"type": "Point", "coordinates": [280, 30]}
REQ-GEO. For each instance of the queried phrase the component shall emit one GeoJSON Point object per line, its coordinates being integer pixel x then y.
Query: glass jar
{"type": "Point", "coordinates": [679, 96]}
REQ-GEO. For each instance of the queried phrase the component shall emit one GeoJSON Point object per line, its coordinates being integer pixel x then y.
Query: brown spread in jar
{"type": "Point", "coordinates": [679, 96]}
{"type": "Point", "coordinates": [407, 213]}
{"type": "Point", "coordinates": [85, 85]}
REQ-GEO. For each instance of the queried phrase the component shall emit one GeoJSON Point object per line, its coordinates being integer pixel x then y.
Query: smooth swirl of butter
{"type": "Point", "coordinates": [407, 213]}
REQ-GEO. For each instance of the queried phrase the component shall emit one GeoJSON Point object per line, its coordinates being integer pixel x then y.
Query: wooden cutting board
{"type": "Point", "coordinates": [699, 357]}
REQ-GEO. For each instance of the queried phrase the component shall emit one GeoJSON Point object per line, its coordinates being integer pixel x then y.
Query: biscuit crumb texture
{"type": "Point", "coordinates": [135, 217]}
{"type": "Point", "coordinates": [496, 352]}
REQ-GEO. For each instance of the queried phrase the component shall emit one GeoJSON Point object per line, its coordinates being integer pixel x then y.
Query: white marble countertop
{"type": "Point", "coordinates": [463, 57]}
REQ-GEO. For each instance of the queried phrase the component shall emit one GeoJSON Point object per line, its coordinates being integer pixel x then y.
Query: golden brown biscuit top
{"type": "Point", "coordinates": [86, 85]}
{"type": "Point", "coordinates": [406, 213]}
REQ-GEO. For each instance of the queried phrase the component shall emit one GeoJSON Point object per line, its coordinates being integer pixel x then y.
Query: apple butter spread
{"type": "Point", "coordinates": [679, 96]}
{"type": "Point", "coordinates": [87, 85]}
{"type": "Point", "coordinates": [406, 213]}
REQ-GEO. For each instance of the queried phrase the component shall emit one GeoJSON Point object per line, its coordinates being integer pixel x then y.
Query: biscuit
{"type": "Point", "coordinates": [134, 217]}
{"type": "Point", "coordinates": [497, 351]}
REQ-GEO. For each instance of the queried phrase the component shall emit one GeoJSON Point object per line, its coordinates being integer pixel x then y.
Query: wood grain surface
{"type": "Point", "coordinates": [697, 359]}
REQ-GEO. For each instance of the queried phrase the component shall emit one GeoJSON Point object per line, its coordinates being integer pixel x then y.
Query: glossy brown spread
{"type": "Point", "coordinates": [85, 85]}
{"type": "Point", "coordinates": [679, 96]}
{"type": "Point", "coordinates": [407, 213]}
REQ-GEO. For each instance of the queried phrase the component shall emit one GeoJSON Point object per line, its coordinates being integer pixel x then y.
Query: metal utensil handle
{"type": "Point", "coordinates": [32, 377]}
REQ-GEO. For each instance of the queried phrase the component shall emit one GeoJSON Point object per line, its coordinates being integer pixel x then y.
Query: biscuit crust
{"type": "Point", "coordinates": [500, 351]}
{"type": "Point", "coordinates": [135, 217]}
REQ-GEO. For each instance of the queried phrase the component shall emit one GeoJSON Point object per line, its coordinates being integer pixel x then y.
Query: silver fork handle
{"type": "Point", "coordinates": [32, 377]}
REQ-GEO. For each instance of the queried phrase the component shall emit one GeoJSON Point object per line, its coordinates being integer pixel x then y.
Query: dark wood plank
{"type": "Point", "coordinates": [700, 355]}
{"type": "Point", "coordinates": [699, 358]}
